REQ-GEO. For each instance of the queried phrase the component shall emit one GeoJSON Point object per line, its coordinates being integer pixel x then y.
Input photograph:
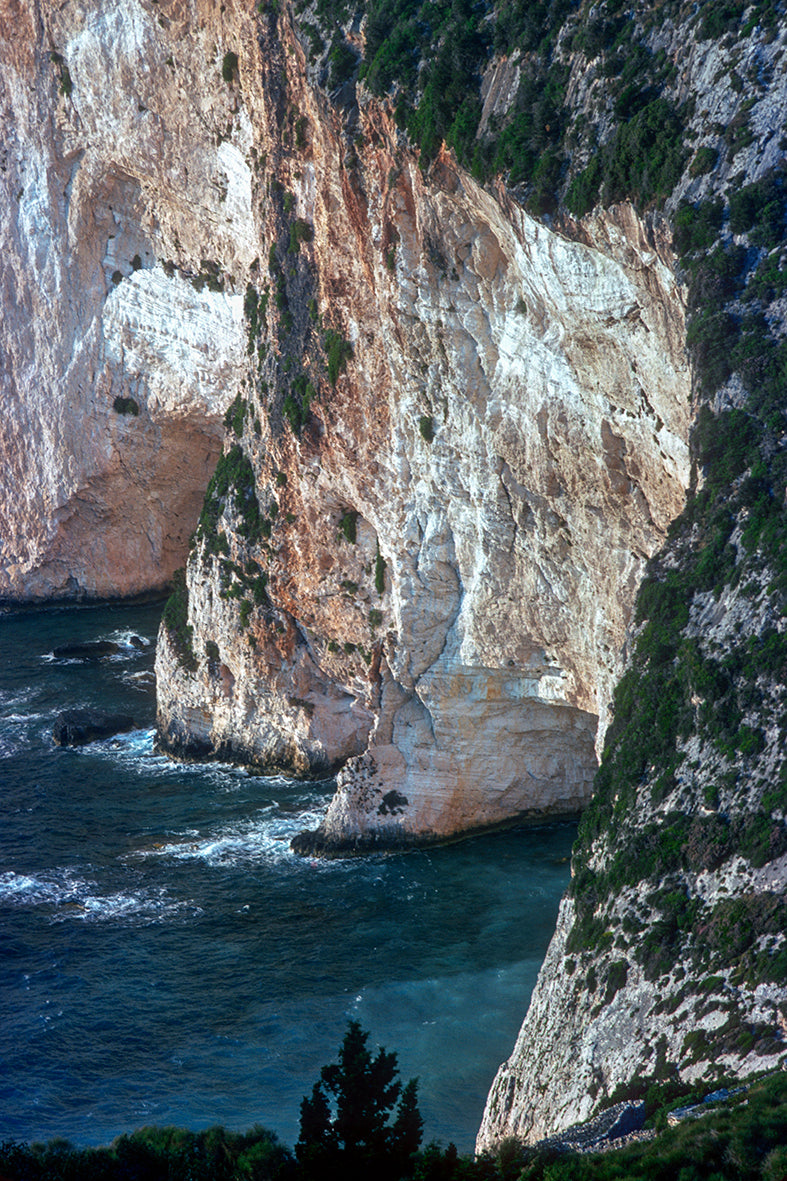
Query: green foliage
{"type": "Point", "coordinates": [253, 310]}
{"type": "Point", "coordinates": [125, 406]}
{"type": "Point", "coordinates": [346, 1132]}
{"type": "Point", "coordinates": [535, 128]}
{"type": "Point", "coordinates": [642, 160]}
{"type": "Point", "coordinates": [426, 427]}
{"type": "Point", "coordinates": [720, 17]}
{"type": "Point", "coordinates": [175, 618]}
{"type": "Point", "coordinates": [708, 339]}
{"type": "Point", "coordinates": [705, 160]}
{"type": "Point", "coordinates": [343, 62]}
{"type": "Point", "coordinates": [345, 1129]}
{"type": "Point", "coordinates": [155, 1154]}
{"type": "Point", "coordinates": [300, 231]}
{"type": "Point", "coordinates": [725, 444]}
{"type": "Point", "coordinates": [348, 524]}
{"type": "Point", "coordinates": [296, 407]}
{"type": "Point", "coordinates": [209, 276]}
{"type": "Point", "coordinates": [229, 67]}
{"type": "Point", "coordinates": [338, 352]}
{"type": "Point", "coordinates": [233, 480]}
{"type": "Point", "coordinates": [758, 209]}
{"type": "Point", "coordinates": [645, 157]}
{"type": "Point", "coordinates": [379, 572]}
{"type": "Point", "coordinates": [235, 415]}
{"type": "Point", "coordinates": [696, 227]}
{"type": "Point", "coordinates": [583, 191]}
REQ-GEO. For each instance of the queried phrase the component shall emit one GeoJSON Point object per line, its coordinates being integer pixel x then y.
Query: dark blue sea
{"type": "Point", "coordinates": [166, 959]}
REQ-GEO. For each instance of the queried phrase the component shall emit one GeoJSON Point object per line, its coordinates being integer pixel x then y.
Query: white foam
{"type": "Point", "coordinates": [125, 636]}
{"type": "Point", "coordinates": [75, 898]}
{"type": "Point", "coordinates": [264, 837]}
{"type": "Point", "coordinates": [15, 699]}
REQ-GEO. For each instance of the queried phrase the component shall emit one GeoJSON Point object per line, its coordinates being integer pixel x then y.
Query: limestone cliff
{"type": "Point", "coordinates": [126, 218]}
{"type": "Point", "coordinates": [412, 300]}
{"type": "Point", "coordinates": [452, 521]}
{"type": "Point", "coordinates": [668, 963]}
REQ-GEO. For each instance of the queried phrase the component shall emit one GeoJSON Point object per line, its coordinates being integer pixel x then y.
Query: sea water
{"type": "Point", "coordinates": [166, 959]}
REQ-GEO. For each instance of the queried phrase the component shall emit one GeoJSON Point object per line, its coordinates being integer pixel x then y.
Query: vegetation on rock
{"type": "Point", "coordinates": [345, 1131]}
{"type": "Point", "coordinates": [175, 619]}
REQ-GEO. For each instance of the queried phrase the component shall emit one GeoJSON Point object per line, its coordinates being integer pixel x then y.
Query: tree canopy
{"type": "Point", "coordinates": [345, 1123]}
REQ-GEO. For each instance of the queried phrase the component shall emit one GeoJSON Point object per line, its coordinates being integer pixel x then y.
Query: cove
{"type": "Point", "coordinates": [167, 959]}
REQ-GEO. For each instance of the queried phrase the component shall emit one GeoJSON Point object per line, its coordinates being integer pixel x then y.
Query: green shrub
{"type": "Point", "coordinates": [229, 66]}
{"type": "Point", "coordinates": [705, 160]}
{"type": "Point", "coordinates": [426, 427]}
{"type": "Point", "coordinates": [338, 351]}
{"type": "Point", "coordinates": [696, 227]}
{"type": "Point", "coordinates": [710, 337]}
{"type": "Point", "coordinates": [233, 478]}
{"type": "Point", "coordinates": [125, 406]}
{"type": "Point", "coordinates": [348, 523]}
{"type": "Point", "coordinates": [235, 415]}
{"type": "Point", "coordinates": [300, 231]}
{"type": "Point", "coordinates": [343, 62]}
{"type": "Point", "coordinates": [379, 572]}
{"type": "Point", "coordinates": [758, 209]}
{"type": "Point", "coordinates": [175, 619]}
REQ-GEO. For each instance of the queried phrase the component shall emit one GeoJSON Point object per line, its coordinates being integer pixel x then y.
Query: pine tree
{"type": "Point", "coordinates": [345, 1128]}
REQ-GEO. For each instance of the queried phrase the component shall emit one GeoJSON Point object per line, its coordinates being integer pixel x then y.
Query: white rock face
{"type": "Point", "coordinates": [511, 439]}
{"type": "Point", "coordinates": [558, 392]}
{"type": "Point", "coordinates": [106, 170]}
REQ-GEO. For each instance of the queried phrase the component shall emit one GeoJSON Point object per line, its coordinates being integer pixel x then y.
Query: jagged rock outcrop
{"type": "Point", "coordinates": [455, 531]}
{"type": "Point", "coordinates": [118, 185]}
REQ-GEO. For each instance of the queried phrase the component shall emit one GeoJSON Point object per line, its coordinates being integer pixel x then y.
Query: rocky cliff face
{"type": "Point", "coordinates": [448, 411]}
{"type": "Point", "coordinates": [668, 963]}
{"type": "Point", "coordinates": [124, 179]}
{"type": "Point", "coordinates": [453, 520]}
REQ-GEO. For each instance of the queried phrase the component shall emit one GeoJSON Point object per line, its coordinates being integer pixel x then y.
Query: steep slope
{"type": "Point", "coordinates": [463, 435]}
{"type": "Point", "coordinates": [419, 260]}
{"type": "Point", "coordinates": [125, 213]}
{"type": "Point", "coordinates": [668, 962]}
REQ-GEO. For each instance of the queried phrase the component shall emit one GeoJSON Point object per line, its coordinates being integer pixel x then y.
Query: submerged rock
{"type": "Point", "coordinates": [91, 650]}
{"type": "Point", "coordinates": [76, 727]}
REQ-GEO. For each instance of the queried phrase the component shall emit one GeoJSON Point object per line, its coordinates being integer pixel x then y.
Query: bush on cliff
{"type": "Point", "coordinates": [176, 620]}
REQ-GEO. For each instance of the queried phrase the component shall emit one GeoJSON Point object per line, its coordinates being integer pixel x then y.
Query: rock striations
{"type": "Point", "coordinates": [120, 189]}
{"type": "Point", "coordinates": [465, 433]}
{"type": "Point", "coordinates": [442, 412]}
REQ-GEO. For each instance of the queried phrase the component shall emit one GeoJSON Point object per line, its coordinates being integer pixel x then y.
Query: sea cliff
{"type": "Point", "coordinates": [443, 351]}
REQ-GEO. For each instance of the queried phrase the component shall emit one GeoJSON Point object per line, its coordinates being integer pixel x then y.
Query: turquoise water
{"type": "Point", "coordinates": [165, 958]}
